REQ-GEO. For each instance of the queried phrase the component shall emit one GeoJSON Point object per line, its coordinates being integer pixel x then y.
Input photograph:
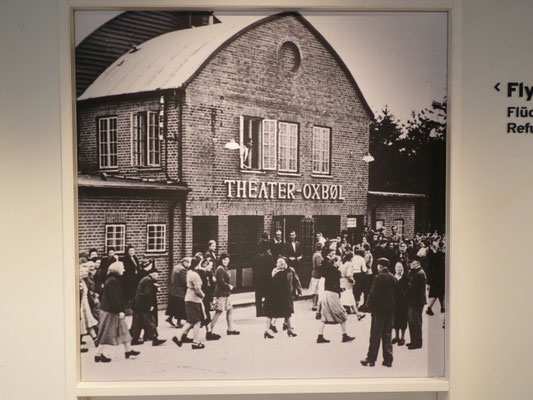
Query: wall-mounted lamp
{"type": "Point", "coordinates": [368, 158]}
{"type": "Point", "coordinates": [232, 145]}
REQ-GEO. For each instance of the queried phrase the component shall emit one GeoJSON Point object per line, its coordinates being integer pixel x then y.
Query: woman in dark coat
{"type": "Point", "coordinates": [279, 302]}
{"type": "Point", "coordinates": [112, 329]}
{"type": "Point", "coordinates": [131, 264]}
{"type": "Point", "coordinates": [176, 293]}
{"type": "Point", "coordinates": [400, 312]}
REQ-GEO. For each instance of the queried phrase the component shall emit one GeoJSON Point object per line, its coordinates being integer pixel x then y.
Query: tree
{"type": "Point", "coordinates": [411, 157]}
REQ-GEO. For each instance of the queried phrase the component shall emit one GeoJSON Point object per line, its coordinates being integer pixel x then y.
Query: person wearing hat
{"type": "Point", "coordinates": [176, 292]}
{"type": "Point", "coordinates": [144, 306]}
{"type": "Point", "coordinates": [381, 304]}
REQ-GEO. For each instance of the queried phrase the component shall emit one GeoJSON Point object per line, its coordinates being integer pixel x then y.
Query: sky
{"type": "Point", "coordinates": [399, 60]}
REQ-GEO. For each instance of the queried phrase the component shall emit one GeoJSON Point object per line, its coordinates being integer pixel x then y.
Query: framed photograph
{"type": "Point", "coordinates": [256, 198]}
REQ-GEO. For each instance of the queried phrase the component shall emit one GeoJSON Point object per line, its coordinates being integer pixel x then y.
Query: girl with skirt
{"type": "Point", "coordinates": [112, 329]}
{"type": "Point", "coordinates": [332, 310]}
{"type": "Point", "coordinates": [400, 312]}
{"type": "Point", "coordinates": [194, 307]}
{"type": "Point", "coordinates": [221, 301]}
{"type": "Point", "coordinates": [208, 286]}
{"type": "Point", "coordinates": [176, 293]}
{"type": "Point", "coordinates": [279, 302]}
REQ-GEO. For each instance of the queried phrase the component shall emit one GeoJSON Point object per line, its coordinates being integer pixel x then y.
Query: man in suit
{"type": "Point", "coordinates": [277, 245]}
{"type": "Point", "coordinates": [293, 252]}
{"type": "Point", "coordinates": [415, 297]}
{"type": "Point", "coordinates": [381, 303]}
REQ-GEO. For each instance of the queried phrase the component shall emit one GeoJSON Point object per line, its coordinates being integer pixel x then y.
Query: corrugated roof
{"type": "Point", "coordinates": [164, 62]}
{"type": "Point", "coordinates": [119, 182]}
{"type": "Point", "coordinates": [395, 194]}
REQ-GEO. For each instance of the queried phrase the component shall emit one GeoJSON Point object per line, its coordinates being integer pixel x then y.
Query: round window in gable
{"type": "Point", "coordinates": [289, 56]}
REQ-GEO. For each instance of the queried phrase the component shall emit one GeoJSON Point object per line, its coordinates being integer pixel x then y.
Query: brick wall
{"type": "Point", "coordinates": [390, 209]}
{"type": "Point", "coordinates": [247, 78]}
{"type": "Point", "coordinates": [135, 212]}
{"type": "Point", "coordinates": [88, 114]}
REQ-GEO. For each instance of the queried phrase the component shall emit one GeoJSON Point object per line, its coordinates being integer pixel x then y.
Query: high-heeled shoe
{"type": "Point", "coordinates": [132, 353]}
{"type": "Point", "coordinates": [101, 358]}
{"type": "Point", "coordinates": [291, 333]}
{"type": "Point", "coordinates": [267, 335]}
{"type": "Point", "coordinates": [285, 326]}
{"type": "Point", "coordinates": [273, 328]}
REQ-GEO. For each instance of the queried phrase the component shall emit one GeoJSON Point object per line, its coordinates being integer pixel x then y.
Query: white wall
{"type": "Point", "coordinates": [492, 273]}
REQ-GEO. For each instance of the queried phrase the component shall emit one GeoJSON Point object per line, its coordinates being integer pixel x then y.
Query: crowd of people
{"type": "Point", "coordinates": [384, 275]}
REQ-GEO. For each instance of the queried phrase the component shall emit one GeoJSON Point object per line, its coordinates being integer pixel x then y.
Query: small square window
{"type": "Point", "coordinates": [115, 237]}
{"type": "Point", "coordinates": [155, 237]}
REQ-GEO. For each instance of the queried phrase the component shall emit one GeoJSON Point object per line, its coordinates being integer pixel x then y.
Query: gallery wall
{"type": "Point", "coordinates": [492, 193]}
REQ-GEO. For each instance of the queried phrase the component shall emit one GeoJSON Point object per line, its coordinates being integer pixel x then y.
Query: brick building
{"type": "Point", "coordinates": [224, 132]}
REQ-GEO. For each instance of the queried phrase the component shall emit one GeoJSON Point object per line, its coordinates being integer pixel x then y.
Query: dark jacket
{"type": "Point", "coordinates": [178, 281]}
{"type": "Point", "coordinates": [264, 263]}
{"type": "Point", "coordinates": [331, 275]}
{"type": "Point", "coordinates": [146, 295]}
{"type": "Point", "coordinates": [222, 288]}
{"type": "Point", "coordinates": [415, 294]}
{"type": "Point", "coordinates": [276, 248]}
{"type": "Point", "coordinates": [289, 251]}
{"type": "Point", "coordinates": [113, 298]}
{"type": "Point", "coordinates": [130, 275]}
{"type": "Point", "coordinates": [381, 299]}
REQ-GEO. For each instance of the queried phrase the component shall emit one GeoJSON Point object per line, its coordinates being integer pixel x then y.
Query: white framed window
{"type": "Point", "coordinates": [321, 150]}
{"type": "Point", "coordinates": [288, 147]}
{"type": "Point", "coordinates": [145, 139]}
{"type": "Point", "coordinates": [155, 237]}
{"type": "Point", "coordinates": [107, 142]}
{"type": "Point", "coordinates": [115, 236]}
{"type": "Point", "coordinates": [269, 144]}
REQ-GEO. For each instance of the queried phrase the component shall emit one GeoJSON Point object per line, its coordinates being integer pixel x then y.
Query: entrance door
{"type": "Point", "coordinates": [286, 224]}
{"type": "Point", "coordinates": [204, 229]}
{"type": "Point", "coordinates": [355, 224]}
{"type": "Point", "coordinates": [243, 236]}
{"type": "Point", "coordinates": [329, 225]}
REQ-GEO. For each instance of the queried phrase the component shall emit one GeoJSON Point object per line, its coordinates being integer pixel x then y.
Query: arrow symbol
{"type": "Point", "coordinates": [497, 87]}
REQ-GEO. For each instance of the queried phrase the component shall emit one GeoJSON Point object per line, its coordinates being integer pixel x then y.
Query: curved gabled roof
{"type": "Point", "coordinates": [164, 62]}
{"type": "Point", "coordinates": [171, 60]}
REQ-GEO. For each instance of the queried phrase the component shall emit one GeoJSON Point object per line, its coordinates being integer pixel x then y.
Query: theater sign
{"type": "Point", "coordinates": [253, 189]}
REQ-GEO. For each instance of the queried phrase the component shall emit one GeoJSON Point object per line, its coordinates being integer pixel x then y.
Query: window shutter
{"type": "Point", "coordinates": [241, 139]}
{"type": "Point", "coordinates": [269, 144]}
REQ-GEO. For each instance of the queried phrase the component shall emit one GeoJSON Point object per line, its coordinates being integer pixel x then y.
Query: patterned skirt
{"type": "Point", "coordinates": [112, 330]}
{"type": "Point", "coordinates": [222, 304]}
{"type": "Point", "coordinates": [332, 310]}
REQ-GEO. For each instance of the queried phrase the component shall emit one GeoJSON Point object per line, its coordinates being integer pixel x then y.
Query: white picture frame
{"type": "Point", "coordinates": [76, 389]}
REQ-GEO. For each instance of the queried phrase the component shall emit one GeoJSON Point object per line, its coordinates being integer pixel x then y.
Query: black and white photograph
{"type": "Point", "coordinates": [261, 195]}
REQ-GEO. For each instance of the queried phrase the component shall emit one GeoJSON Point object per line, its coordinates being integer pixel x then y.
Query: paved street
{"type": "Point", "coordinates": [250, 356]}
